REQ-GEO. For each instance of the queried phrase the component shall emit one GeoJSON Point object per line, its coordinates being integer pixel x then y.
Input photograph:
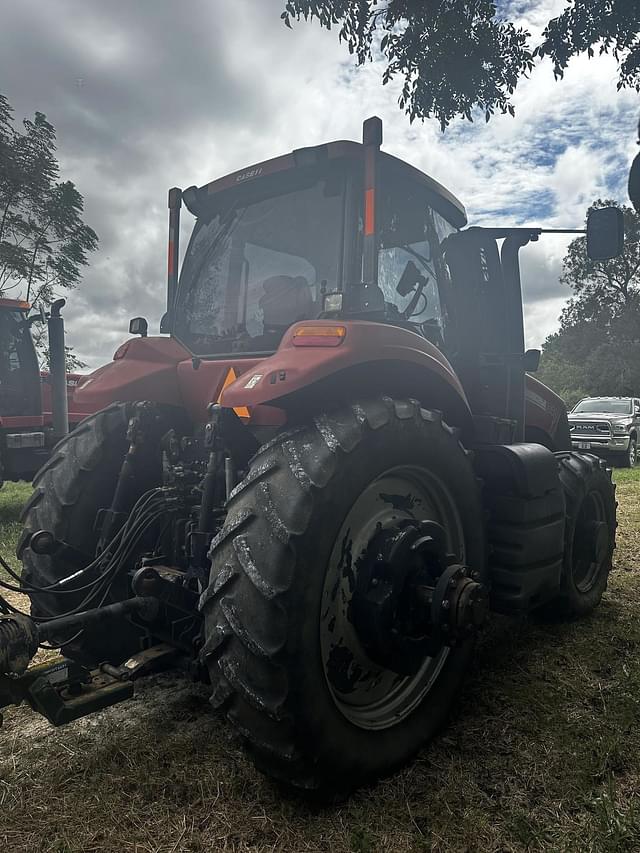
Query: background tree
{"type": "Point", "coordinates": [457, 56]}
{"type": "Point", "coordinates": [44, 243]}
{"type": "Point", "coordinates": [596, 351]}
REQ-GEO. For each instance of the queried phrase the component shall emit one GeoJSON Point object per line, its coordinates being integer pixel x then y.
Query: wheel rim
{"type": "Point", "coordinates": [632, 453]}
{"type": "Point", "coordinates": [367, 694]}
{"type": "Point", "coordinates": [590, 542]}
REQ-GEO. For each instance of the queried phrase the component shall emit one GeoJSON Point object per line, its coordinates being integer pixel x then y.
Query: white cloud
{"type": "Point", "coordinates": [146, 96]}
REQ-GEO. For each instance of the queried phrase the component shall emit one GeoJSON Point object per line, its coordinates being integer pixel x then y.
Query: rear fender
{"type": "Point", "coordinates": [373, 358]}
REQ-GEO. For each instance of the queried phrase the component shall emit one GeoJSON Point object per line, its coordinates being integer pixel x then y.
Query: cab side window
{"type": "Point", "coordinates": [411, 268]}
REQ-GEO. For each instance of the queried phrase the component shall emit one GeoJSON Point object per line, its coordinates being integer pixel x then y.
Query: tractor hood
{"type": "Point", "coordinates": [142, 369]}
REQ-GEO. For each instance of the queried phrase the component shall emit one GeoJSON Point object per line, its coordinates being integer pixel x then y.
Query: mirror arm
{"type": "Point", "coordinates": [563, 230]}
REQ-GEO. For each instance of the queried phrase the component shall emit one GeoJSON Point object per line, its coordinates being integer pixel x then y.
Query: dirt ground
{"type": "Point", "coordinates": [543, 753]}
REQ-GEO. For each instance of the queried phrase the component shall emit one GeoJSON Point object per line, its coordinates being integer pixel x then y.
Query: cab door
{"type": "Point", "coordinates": [486, 339]}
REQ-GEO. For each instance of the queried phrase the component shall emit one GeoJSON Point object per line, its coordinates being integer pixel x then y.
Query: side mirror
{"type": "Point", "coordinates": [165, 324]}
{"type": "Point", "coordinates": [636, 410]}
{"type": "Point", "coordinates": [138, 326]}
{"type": "Point", "coordinates": [605, 233]}
{"type": "Point", "coordinates": [410, 277]}
{"type": "Point", "coordinates": [531, 360]}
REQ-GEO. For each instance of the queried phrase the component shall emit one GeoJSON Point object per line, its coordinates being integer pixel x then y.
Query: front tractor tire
{"type": "Point", "coordinates": [322, 701]}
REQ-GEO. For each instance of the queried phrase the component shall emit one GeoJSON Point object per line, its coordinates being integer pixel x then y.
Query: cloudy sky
{"type": "Point", "coordinates": [149, 94]}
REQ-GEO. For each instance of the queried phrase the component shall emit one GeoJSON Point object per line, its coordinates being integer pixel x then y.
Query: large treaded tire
{"type": "Point", "coordinates": [78, 479]}
{"type": "Point", "coordinates": [581, 474]}
{"type": "Point", "coordinates": [262, 606]}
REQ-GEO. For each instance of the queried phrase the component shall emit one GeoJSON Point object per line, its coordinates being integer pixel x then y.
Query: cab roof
{"type": "Point", "coordinates": [342, 149]}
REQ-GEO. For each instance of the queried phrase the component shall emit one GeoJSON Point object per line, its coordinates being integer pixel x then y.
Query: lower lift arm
{"type": "Point", "coordinates": [62, 690]}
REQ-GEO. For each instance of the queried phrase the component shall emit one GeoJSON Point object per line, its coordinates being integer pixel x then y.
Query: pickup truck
{"type": "Point", "coordinates": [607, 426]}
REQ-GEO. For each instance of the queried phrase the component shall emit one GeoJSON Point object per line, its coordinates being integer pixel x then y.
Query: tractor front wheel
{"type": "Point", "coordinates": [347, 552]}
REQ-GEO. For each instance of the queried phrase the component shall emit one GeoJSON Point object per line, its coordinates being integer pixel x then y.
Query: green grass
{"type": "Point", "coordinates": [12, 499]}
{"type": "Point", "coordinates": [542, 754]}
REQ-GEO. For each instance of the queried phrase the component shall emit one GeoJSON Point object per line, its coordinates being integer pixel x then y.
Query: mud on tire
{"type": "Point", "coordinates": [262, 608]}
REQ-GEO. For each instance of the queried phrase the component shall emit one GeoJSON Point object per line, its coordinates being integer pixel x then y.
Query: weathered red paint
{"type": "Point", "coordinates": [142, 369]}
{"type": "Point", "coordinates": [73, 381]}
{"type": "Point", "coordinates": [364, 343]}
{"type": "Point", "coordinates": [15, 303]}
{"type": "Point", "coordinates": [201, 387]}
{"type": "Point", "coordinates": [162, 370]}
{"type": "Point", "coordinates": [22, 421]}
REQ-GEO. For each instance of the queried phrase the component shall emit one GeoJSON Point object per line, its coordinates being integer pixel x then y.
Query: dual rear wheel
{"type": "Point", "coordinates": [327, 668]}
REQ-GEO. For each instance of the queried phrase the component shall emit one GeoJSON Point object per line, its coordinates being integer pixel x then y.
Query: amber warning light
{"type": "Point", "coordinates": [319, 336]}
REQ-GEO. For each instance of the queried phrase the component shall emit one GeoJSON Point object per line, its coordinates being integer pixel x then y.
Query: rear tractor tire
{"type": "Point", "coordinates": [590, 534]}
{"type": "Point", "coordinates": [78, 480]}
{"type": "Point", "coordinates": [292, 659]}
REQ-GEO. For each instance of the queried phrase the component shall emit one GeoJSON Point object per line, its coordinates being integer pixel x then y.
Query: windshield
{"type": "Point", "coordinates": [613, 407]}
{"type": "Point", "coordinates": [259, 263]}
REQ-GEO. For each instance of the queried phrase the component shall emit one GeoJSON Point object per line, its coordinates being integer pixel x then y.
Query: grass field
{"type": "Point", "coordinates": [543, 753]}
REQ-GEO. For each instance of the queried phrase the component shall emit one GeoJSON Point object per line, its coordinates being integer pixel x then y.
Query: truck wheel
{"type": "Point", "coordinates": [78, 480]}
{"type": "Point", "coordinates": [590, 533]}
{"type": "Point", "coordinates": [284, 638]}
{"type": "Point", "coordinates": [630, 456]}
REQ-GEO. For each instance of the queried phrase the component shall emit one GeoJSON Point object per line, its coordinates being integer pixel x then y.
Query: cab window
{"type": "Point", "coordinates": [411, 270]}
{"type": "Point", "coordinates": [18, 366]}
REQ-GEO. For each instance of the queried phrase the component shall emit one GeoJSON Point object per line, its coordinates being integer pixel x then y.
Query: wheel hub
{"type": "Point", "coordinates": [596, 538]}
{"type": "Point", "coordinates": [412, 598]}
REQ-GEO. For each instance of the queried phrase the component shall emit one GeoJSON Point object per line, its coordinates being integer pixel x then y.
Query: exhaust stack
{"type": "Point", "coordinates": [57, 364]}
{"type": "Point", "coordinates": [175, 203]}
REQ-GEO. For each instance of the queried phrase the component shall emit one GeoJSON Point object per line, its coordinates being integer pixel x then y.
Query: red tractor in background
{"type": "Point", "coordinates": [36, 407]}
{"type": "Point", "coordinates": [313, 491]}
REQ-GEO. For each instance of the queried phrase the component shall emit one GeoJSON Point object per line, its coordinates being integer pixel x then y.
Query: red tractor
{"type": "Point", "coordinates": [313, 491]}
{"type": "Point", "coordinates": [35, 406]}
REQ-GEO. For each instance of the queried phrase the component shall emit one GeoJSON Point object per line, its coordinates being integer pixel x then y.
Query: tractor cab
{"type": "Point", "coordinates": [19, 371]}
{"type": "Point", "coordinates": [288, 240]}
{"type": "Point", "coordinates": [344, 231]}
{"type": "Point", "coordinates": [33, 404]}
